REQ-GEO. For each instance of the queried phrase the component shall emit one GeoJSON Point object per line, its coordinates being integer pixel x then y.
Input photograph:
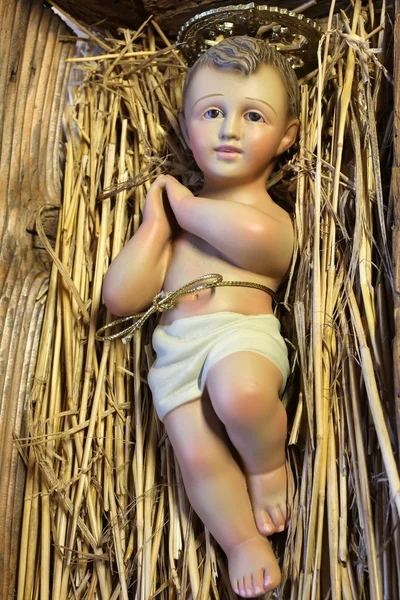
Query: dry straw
{"type": "Point", "coordinates": [105, 514]}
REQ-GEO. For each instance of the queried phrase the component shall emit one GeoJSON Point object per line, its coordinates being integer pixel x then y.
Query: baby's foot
{"type": "Point", "coordinates": [253, 568]}
{"type": "Point", "coordinates": [269, 495]}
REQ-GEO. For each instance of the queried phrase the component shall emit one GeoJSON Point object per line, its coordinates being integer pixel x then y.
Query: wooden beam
{"type": "Point", "coordinates": [172, 15]}
{"type": "Point", "coordinates": [33, 79]}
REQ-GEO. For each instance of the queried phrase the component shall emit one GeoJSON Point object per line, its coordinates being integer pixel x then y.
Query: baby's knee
{"type": "Point", "coordinates": [246, 405]}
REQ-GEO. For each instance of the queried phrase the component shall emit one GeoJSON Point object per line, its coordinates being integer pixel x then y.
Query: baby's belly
{"type": "Point", "coordinates": [191, 258]}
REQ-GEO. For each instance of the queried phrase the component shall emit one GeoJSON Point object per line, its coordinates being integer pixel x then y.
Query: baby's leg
{"type": "Point", "coordinates": [244, 390]}
{"type": "Point", "coordinates": [216, 488]}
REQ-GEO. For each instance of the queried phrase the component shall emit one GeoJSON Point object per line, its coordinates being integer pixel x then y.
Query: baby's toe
{"type": "Point", "coordinates": [278, 519]}
{"type": "Point", "coordinates": [265, 524]}
{"type": "Point", "coordinates": [241, 587]}
{"type": "Point", "coordinates": [267, 581]}
{"type": "Point", "coordinates": [249, 587]}
{"type": "Point", "coordinates": [254, 584]}
{"type": "Point", "coordinates": [258, 583]}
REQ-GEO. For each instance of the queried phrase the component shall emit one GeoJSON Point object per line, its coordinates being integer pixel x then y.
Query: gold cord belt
{"type": "Point", "coordinates": [167, 300]}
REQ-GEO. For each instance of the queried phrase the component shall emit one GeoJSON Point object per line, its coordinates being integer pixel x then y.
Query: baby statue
{"type": "Point", "coordinates": [222, 363]}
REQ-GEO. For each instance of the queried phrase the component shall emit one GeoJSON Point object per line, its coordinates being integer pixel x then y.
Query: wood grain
{"type": "Point", "coordinates": [102, 14]}
{"type": "Point", "coordinates": [32, 81]}
{"type": "Point", "coordinates": [172, 15]}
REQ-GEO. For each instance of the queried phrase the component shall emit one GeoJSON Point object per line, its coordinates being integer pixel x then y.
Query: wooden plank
{"type": "Point", "coordinates": [33, 78]}
{"type": "Point", "coordinates": [102, 14]}
{"type": "Point", "coordinates": [172, 15]}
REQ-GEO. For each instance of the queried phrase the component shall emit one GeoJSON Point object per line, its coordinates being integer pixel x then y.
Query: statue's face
{"type": "Point", "coordinates": [236, 125]}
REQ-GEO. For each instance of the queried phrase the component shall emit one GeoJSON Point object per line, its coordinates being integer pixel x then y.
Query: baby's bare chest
{"type": "Point", "coordinates": [192, 257]}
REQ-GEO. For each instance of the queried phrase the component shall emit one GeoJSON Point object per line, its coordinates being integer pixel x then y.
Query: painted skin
{"type": "Point", "coordinates": [236, 130]}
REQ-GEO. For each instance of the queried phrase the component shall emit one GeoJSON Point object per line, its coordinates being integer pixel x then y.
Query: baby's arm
{"type": "Point", "coordinates": [248, 237]}
{"type": "Point", "coordinates": [137, 274]}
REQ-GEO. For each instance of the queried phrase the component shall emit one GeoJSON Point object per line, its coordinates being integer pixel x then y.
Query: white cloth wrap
{"type": "Point", "coordinates": [187, 348]}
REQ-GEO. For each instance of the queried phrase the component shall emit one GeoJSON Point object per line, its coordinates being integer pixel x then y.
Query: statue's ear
{"type": "Point", "coordinates": [184, 129]}
{"type": "Point", "coordinates": [289, 137]}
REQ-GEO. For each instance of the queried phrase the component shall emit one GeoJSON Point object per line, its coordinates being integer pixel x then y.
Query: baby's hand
{"type": "Point", "coordinates": [157, 209]}
{"type": "Point", "coordinates": [154, 203]}
{"type": "Point", "coordinates": [175, 190]}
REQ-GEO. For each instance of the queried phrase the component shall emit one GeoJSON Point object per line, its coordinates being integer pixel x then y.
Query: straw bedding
{"type": "Point", "coordinates": [106, 515]}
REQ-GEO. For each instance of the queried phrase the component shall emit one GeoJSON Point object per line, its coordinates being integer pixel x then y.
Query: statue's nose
{"type": "Point", "coordinates": [230, 128]}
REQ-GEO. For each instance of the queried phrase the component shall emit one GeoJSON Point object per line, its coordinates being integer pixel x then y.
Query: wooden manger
{"type": "Point", "coordinates": [105, 514]}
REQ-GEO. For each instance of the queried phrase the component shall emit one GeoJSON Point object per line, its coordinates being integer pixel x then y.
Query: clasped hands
{"type": "Point", "coordinates": [164, 210]}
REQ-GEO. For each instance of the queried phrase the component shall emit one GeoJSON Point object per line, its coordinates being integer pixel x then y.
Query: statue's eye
{"type": "Point", "coordinates": [212, 113]}
{"type": "Point", "coordinates": [254, 116]}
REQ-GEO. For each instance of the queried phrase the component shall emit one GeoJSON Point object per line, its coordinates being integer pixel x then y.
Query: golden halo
{"type": "Point", "coordinates": [294, 35]}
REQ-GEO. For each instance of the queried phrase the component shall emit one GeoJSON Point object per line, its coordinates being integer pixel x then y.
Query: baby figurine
{"type": "Point", "coordinates": [222, 363]}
